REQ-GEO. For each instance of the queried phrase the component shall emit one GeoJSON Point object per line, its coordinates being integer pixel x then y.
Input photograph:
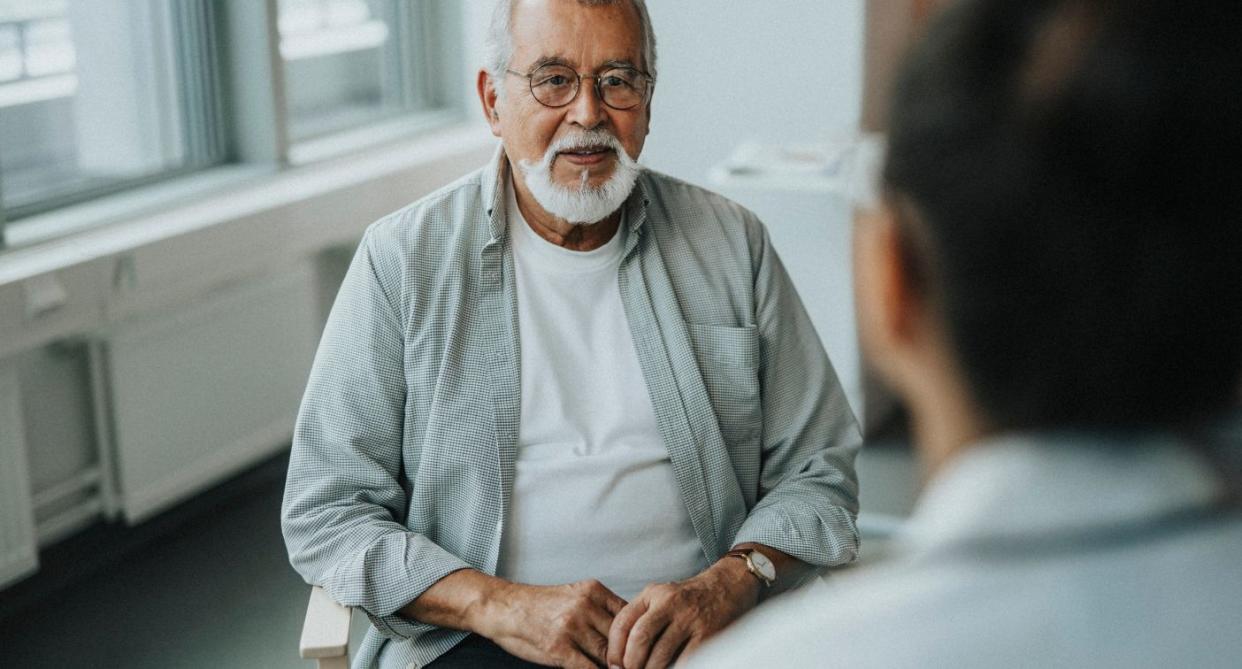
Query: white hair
{"type": "Point", "coordinates": [584, 204]}
{"type": "Point", "coordinates": [498, 48]}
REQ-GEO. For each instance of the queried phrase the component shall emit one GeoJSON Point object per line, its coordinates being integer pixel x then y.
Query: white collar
{"type": "Point", "coordinates": [1021, 485]}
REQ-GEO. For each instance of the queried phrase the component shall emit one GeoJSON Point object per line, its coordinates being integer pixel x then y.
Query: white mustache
{"type": "Point", "coordinates": [590, 140]}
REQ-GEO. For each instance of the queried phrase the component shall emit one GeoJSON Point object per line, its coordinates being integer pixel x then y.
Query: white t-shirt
{"type": "Point", "coordinates": [594, 494]}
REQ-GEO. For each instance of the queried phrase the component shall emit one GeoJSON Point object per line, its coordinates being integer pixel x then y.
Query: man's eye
{"type": "Point", "coordinates": [555, 80]}
{"type": "Point", "coordinates": [615, 82]}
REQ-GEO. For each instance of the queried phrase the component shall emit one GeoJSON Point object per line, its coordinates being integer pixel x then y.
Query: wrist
{"type": "Point", "coordinates": [739, 580]}
{"type": "Point", "coordinates": [486, 606]}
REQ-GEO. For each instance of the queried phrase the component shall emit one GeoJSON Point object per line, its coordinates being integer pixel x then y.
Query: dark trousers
{"type": "Point", "coordinates": [475, 652]}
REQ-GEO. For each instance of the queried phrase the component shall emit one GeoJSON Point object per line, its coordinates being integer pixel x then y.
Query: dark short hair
{"type": "Point", "coordinates": [1072, 176]}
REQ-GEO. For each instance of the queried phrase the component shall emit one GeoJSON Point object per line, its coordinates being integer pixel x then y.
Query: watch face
{"type": "Point", "coordinates": [764, 565]}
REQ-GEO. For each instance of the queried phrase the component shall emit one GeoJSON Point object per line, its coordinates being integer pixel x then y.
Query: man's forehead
{"type": "Point", "coordinates": [576, 34]}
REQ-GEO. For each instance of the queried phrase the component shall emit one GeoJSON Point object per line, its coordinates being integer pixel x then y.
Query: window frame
{"type": "Point", "coordinates": [197, 57]}
{"type": "Point", "coordinates": [247, 119]}
{"type": "Point", "coordinates": [433, 64]}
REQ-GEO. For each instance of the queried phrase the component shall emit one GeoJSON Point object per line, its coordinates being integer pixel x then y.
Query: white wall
{"type": "Point", "coordinates": [777, 70]}
{"type": "Point", "coordinates": [781, 71]}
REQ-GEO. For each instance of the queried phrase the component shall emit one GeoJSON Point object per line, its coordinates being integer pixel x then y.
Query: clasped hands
{"type": "Point", "coordinates": [585, 625]}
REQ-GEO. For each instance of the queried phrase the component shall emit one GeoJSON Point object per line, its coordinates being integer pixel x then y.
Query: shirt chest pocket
{"type": "Point", "coordinates": [728, 359]}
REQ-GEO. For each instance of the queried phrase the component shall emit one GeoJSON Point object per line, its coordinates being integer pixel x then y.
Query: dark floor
{"type": "Point", "coordinates": [216, 591]}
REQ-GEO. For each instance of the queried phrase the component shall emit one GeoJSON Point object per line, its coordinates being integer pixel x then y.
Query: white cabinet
{"type": "Point", "coordinates": [180, 395]}
{"type": "Point", "coordinates": [203, 392]}
{"type": "Point", "coordinates": [18, 543]}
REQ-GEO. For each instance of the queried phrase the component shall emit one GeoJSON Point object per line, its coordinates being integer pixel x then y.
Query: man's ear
{"type": "Point", "coordinates": [890, 306]}
{"type": "Point", "coordinates": [488, 98]}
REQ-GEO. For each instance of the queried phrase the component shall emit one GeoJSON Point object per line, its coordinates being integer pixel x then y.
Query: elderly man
{"type": "Point", "coordinates": [1052, 284]}
{"type": "Point", "coordinates": [567, 411]}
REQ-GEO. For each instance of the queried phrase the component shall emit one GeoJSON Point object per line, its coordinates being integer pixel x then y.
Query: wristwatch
{"type": "Point", "coordinates": [757, 564]}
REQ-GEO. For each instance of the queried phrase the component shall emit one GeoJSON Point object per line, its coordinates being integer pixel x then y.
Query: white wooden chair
{"type": "Point", "coordinates": [325, 634]}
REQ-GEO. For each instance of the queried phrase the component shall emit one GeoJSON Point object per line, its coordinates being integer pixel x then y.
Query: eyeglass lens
{"type": "Point", "coordinates": [557, 86]}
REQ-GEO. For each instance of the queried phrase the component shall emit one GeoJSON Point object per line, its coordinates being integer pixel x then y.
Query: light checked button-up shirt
{"type": "Point", "coordinates": [404, 450]}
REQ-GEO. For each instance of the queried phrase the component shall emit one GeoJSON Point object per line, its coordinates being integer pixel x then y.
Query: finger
{"type": "Point", "coordinates": [576, 660]}
{"type": "Point", "coordinates": [643, 638]}
{"type": "Point", "coordinates": [619, 633]}
{"type": "Point", "coordinates": [667, 648]}
{"type": "Point", "coordinates": [692, 646]}
{"type": "Point", "coordinates": [611, 602]}
{"type": "Point", "coordinates": [594, 646]}
{"type": "Point", "coordinates": [600, 621]}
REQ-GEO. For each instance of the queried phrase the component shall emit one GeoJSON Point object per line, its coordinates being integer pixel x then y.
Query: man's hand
{"type": "Point", "coordinates": [556, 625]}
{"type": "Point", "coordinates": [669, 619]}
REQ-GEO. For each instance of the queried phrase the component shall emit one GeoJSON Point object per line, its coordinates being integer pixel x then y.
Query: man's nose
{"type": "Point", "coordinates": [587, 110]}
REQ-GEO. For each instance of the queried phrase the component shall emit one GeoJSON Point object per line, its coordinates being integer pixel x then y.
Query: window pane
{"type": "Point", "coordinates": [93, 96]}
{"type": "Point", "coordinates": [345, 62]}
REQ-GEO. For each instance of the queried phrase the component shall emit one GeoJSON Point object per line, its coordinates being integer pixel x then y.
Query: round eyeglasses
{"type": "Point", "coordinates": [622, 88]}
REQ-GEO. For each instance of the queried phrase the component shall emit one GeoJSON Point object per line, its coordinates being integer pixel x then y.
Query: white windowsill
{"type": "Point", "coordinates": [346, 142]}
{"type": "Point", "coordinates": [28, 91]}
{"type": "Point", "coordinates": [115, 225]}
{"type": "Point", "coordinates": [127, 205]}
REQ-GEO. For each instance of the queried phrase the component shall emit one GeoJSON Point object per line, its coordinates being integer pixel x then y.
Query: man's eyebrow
{"type": "Point", "coordinates": [609, 64]}
{"type": "Point", "coordinates": [561, 60]}
{"type": "Point", "coordinates": [551, 60]}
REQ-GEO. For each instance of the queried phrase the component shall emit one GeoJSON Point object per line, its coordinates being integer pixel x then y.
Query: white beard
{"type": "Point", "coordinates": [586, 204]}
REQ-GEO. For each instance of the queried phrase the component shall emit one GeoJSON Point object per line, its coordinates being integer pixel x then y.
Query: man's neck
{"type": "Point", "coordinates": [944, 421]}
{"type": "Point", "coordinates": [575, 237]}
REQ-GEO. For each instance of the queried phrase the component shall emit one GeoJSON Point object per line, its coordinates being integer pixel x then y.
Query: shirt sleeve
{"type": "Point", "coordinates": [808, 491]}
{"type": "Point", "coordinates": [344, 506]}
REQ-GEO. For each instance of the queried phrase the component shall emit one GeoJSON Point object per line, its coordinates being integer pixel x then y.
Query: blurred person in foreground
{"type": "Point", "coordinates": [566, 411]}
{"type": "Point", "coordinates": [1052, 282]}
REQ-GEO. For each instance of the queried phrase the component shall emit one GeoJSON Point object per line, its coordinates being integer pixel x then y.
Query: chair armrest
{"type": "Point", "coordinates": [326, 630]}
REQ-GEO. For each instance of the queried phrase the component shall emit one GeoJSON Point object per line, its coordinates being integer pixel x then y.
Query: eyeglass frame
{"type": "Point", "coordinates": [599, 94]}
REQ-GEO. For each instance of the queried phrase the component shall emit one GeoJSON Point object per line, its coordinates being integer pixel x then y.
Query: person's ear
{"type": "Point", "coordinates": [489, 100]}
{"type": "Point", "coordinates": [890, 306]}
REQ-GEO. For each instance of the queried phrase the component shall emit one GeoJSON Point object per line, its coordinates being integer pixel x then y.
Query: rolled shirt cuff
{"type": "Point", "coordinates": [821, 538]}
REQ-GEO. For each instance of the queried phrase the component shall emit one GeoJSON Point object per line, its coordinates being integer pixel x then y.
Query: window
{"type": "Point", "coordinates": [100, 94]}
{"type": "Point", "coordinates": [352, 62]}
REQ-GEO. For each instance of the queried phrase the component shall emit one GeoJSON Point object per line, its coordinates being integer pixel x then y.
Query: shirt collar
{"type": "Point", "coordinates": [1023, 484]}
{"type": "Point", "coordinates": [493, 192]}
